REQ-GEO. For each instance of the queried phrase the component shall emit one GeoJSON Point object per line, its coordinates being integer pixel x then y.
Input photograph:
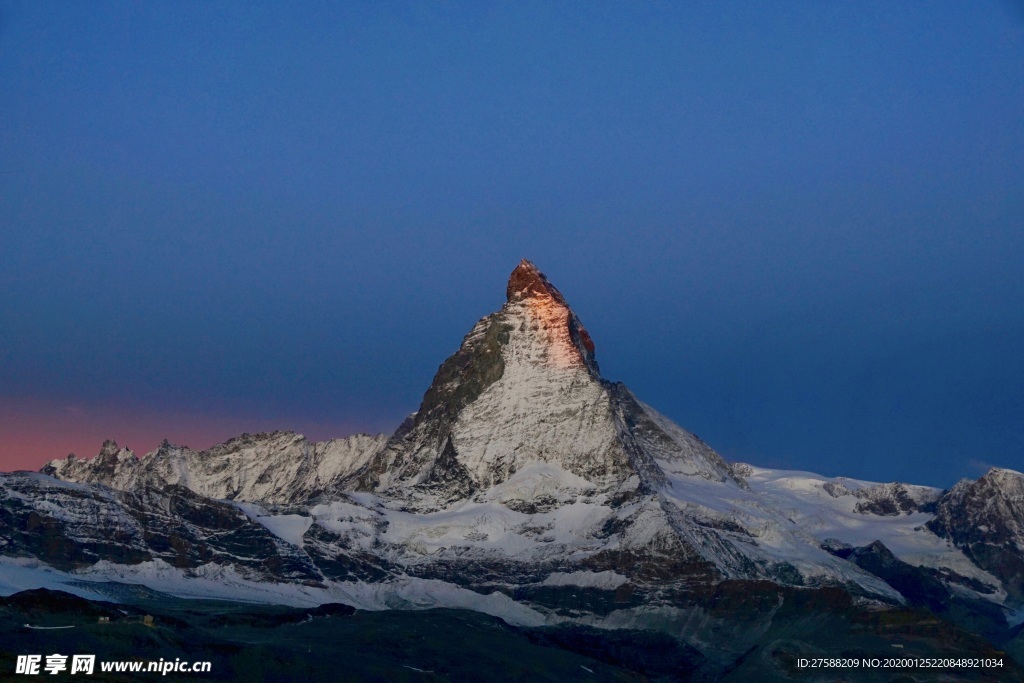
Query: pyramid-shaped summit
{"type": "Point", "coordinates": [524, 391]}
{"type": "Point", "coordinates": [539, 463]}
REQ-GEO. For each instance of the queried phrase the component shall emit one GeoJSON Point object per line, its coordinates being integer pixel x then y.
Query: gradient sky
{"type": "Point", "coordinates": [795, 228]}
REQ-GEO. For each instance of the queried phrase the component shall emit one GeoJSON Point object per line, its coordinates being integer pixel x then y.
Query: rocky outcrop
{"type": "Point", "coordinates": [887, 500]}
{"type": "Point", "coordinates": [113, 466]}
{"type": "Point", "coordinates": [985, 518]}
{"type": "Point", "coordinates": [939, 591]}
{"type": "Point", "coordinates": [895, 499]}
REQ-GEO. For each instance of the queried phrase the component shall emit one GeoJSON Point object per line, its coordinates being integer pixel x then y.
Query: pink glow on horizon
{"type": "Point", "coordinates": [32, 434]}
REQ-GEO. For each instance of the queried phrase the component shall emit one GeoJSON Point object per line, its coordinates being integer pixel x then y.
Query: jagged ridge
{"type": "Point", "coordinates": [277, 468]}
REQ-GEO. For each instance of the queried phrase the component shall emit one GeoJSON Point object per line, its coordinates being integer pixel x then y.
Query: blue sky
{"type": "Point", "coordinates": [795, 228]}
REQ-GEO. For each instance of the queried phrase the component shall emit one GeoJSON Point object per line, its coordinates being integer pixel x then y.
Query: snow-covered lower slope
{"type": "Point", "coordinates": [108, 581]}
{"type": "Point", "coordinates": [545, 526]}
{"type": "Point", "coordinates": [544, 521]}
{"type": "Point", "coordinates": [826, 508]}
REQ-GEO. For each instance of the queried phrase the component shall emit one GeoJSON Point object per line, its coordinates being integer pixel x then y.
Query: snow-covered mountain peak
{"type": "Point", "coordinates": [113, 466]}
{"type": "Point", "coordinates": [1005, 479]}
{"type": "Point", "coordinates": [524, 389]}
{"type": "Point", "coordinates": [110, 452]}
{"type": "Point", "coordinates": [986, 519]}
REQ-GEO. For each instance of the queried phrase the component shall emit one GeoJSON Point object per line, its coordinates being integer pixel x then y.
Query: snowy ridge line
{"type": "Point", "coordinates": [275, 468]}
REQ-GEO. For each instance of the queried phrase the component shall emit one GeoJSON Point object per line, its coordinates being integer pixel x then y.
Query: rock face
{"type": "Point", "coordinates": [532, 485]}
{"type": "Point", "coordinates": [985, 518]}
{"type": "Point", "coordinates": [74, 526]}
{"type": "Point", "coordinates": [888, 499]}
{"type": "Point", "coordinates": [922, 586]}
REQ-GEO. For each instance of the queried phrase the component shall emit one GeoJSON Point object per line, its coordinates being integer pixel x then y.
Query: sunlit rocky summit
{"type": "Point", "coordinates": [528, 487]}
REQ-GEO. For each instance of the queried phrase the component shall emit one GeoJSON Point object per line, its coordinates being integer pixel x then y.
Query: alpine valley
{"type": "Point", "coordinates": [560, 528]}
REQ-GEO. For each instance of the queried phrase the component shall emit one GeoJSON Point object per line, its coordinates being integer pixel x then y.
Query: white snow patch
{"type": "Point", "coordinates": [607, 580]}
{"type": "Point", "coordinates": [289, 528]}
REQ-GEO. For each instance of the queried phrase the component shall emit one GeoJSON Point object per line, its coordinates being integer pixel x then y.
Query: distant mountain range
{"type": "Point", "coordinates": [528, 487]}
